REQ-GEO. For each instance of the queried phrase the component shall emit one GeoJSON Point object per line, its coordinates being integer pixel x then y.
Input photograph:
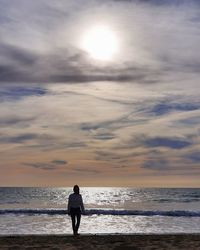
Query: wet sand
{"type": "Point", "coordinates": [101, 242]}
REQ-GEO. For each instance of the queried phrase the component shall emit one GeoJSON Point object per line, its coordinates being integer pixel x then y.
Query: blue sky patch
{"type": "Point", "coordinates": [16, 93]}
{"type": "Point", "coordinates": [174, 143]}
{"type": "Point", "coordinates": [164, 107]}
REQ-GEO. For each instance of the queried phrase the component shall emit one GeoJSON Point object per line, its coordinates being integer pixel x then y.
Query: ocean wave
{"type": "Point", "coordinates": [178, 199]}
{"type": "Point", "coordinates": [172, 213]}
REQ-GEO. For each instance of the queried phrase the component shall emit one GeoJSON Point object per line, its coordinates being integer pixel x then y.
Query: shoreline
{"type": "Point", "coordinates": [101, 241]}
{"type": "Point", "coordinates": [97, 234]}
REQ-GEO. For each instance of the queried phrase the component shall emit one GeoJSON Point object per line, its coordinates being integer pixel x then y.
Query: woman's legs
{"type": "Point", "coordinates": [76, 218]}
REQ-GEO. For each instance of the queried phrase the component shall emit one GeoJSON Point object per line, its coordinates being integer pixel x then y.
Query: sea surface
{"type": "Point", "coordinates": [108, 210]}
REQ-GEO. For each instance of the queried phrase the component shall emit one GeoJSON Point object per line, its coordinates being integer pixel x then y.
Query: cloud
{"type": "Point", "coordinates": [53, 165]}
{"type": "Point", "coordinates": [191, 121]}
{"type": "Point", "coordinates": [174, 143]}
{"type": "Point", "coordinates": [14, 54]}
{"type": "Point", "coordinates": [121, 167]}
{"type": "Point", "coordinates": [157, 164]}
{"type": "Point", "coordinates": [59, 162]}
{"type": "Point", "coordinates": [9, 121]}
{"type": "Point", "coordinates": [86, 170]}
{"type": "Point", "coordinates": [159, 2]}
{"type": "Point", "coordinates": [108, 155]}
{"type": "Point", "coordinates": [74, 145]}
{"type": "Point", "coordinates": [104, 136]}
{"type": "Point", "coordinates": [195, 157]}
{"type": "Point", "coordinates": [51, 143]}
{"type": "Point", "coordinates": [114, 124]}
{"type": "Point", "coordinates": [28, 56]}
{"type": "Point", "coordinates": [43, 166]}
{"type": "Point", "coordinates": [167, 163]}
{"type": "Point", "coordinates": [56, 100]}
{"type": "Point", "coordinates": [20, 65]}
{"type": "Point", "coordinates": [19, 138]}
{"type": "Point", "coordinates": [30, 139]}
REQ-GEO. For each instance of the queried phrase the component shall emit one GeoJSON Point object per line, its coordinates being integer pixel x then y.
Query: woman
{"type": "Point", "coordinates": [75, 208]}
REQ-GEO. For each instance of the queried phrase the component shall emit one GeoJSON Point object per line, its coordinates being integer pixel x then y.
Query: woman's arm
{"type": "Point", "coordinates": [69, 205]}
{"type": "Point", "coordinates": [82, 206]}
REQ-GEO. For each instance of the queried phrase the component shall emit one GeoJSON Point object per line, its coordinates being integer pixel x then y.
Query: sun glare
{"type": "Point", "coordinates": [100, 43]}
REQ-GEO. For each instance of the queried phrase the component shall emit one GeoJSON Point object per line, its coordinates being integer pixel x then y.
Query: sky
{"type": "Point", "coordinates": [68, 117]}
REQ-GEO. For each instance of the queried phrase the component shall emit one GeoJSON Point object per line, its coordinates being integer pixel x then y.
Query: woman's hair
{"type": "Point", "coordinates": [76, 189]}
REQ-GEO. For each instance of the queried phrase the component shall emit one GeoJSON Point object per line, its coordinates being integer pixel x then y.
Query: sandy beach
{"type": "Point", "coordinates": [101, 242]}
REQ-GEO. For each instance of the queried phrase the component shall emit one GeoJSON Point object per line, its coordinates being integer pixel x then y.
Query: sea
{"type": "Point", "coordinates": [109, 210]}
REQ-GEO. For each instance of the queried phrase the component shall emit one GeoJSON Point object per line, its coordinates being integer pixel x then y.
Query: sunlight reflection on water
{"type": "Point", "coordinates": [98, 224]}
{"type": "Point", "coordinates": [100, 198]}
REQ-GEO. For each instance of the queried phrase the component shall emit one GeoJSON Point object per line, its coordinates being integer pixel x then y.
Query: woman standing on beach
{"type": "Point", "coordinates": [75, 208]}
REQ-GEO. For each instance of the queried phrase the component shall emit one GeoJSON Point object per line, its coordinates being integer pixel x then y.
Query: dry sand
{"type": "Point", "coordinates": [101, 242]}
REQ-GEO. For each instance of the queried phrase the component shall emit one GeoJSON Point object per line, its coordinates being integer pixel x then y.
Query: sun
{"type": "Point", "coordinates": [100, 43]}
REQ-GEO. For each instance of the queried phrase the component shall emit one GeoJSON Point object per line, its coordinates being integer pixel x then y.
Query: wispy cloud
{"type": "Point", "coordinates": [9, 121]}
{"type": "Point", "coordinates": [86, 170]}
{"type": "Point", "coordinates": [59, 162]}
{"type": "Point", "coordinates": [159, 164]}
{"type": "Point", "coordinates": [53, 165]}
{"type": "Point", "coordinates": [139, 112]}
{"type": "Point", "coordinates": [18, 139]}
{"type": "Point", "coordinates": [194, 156]}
